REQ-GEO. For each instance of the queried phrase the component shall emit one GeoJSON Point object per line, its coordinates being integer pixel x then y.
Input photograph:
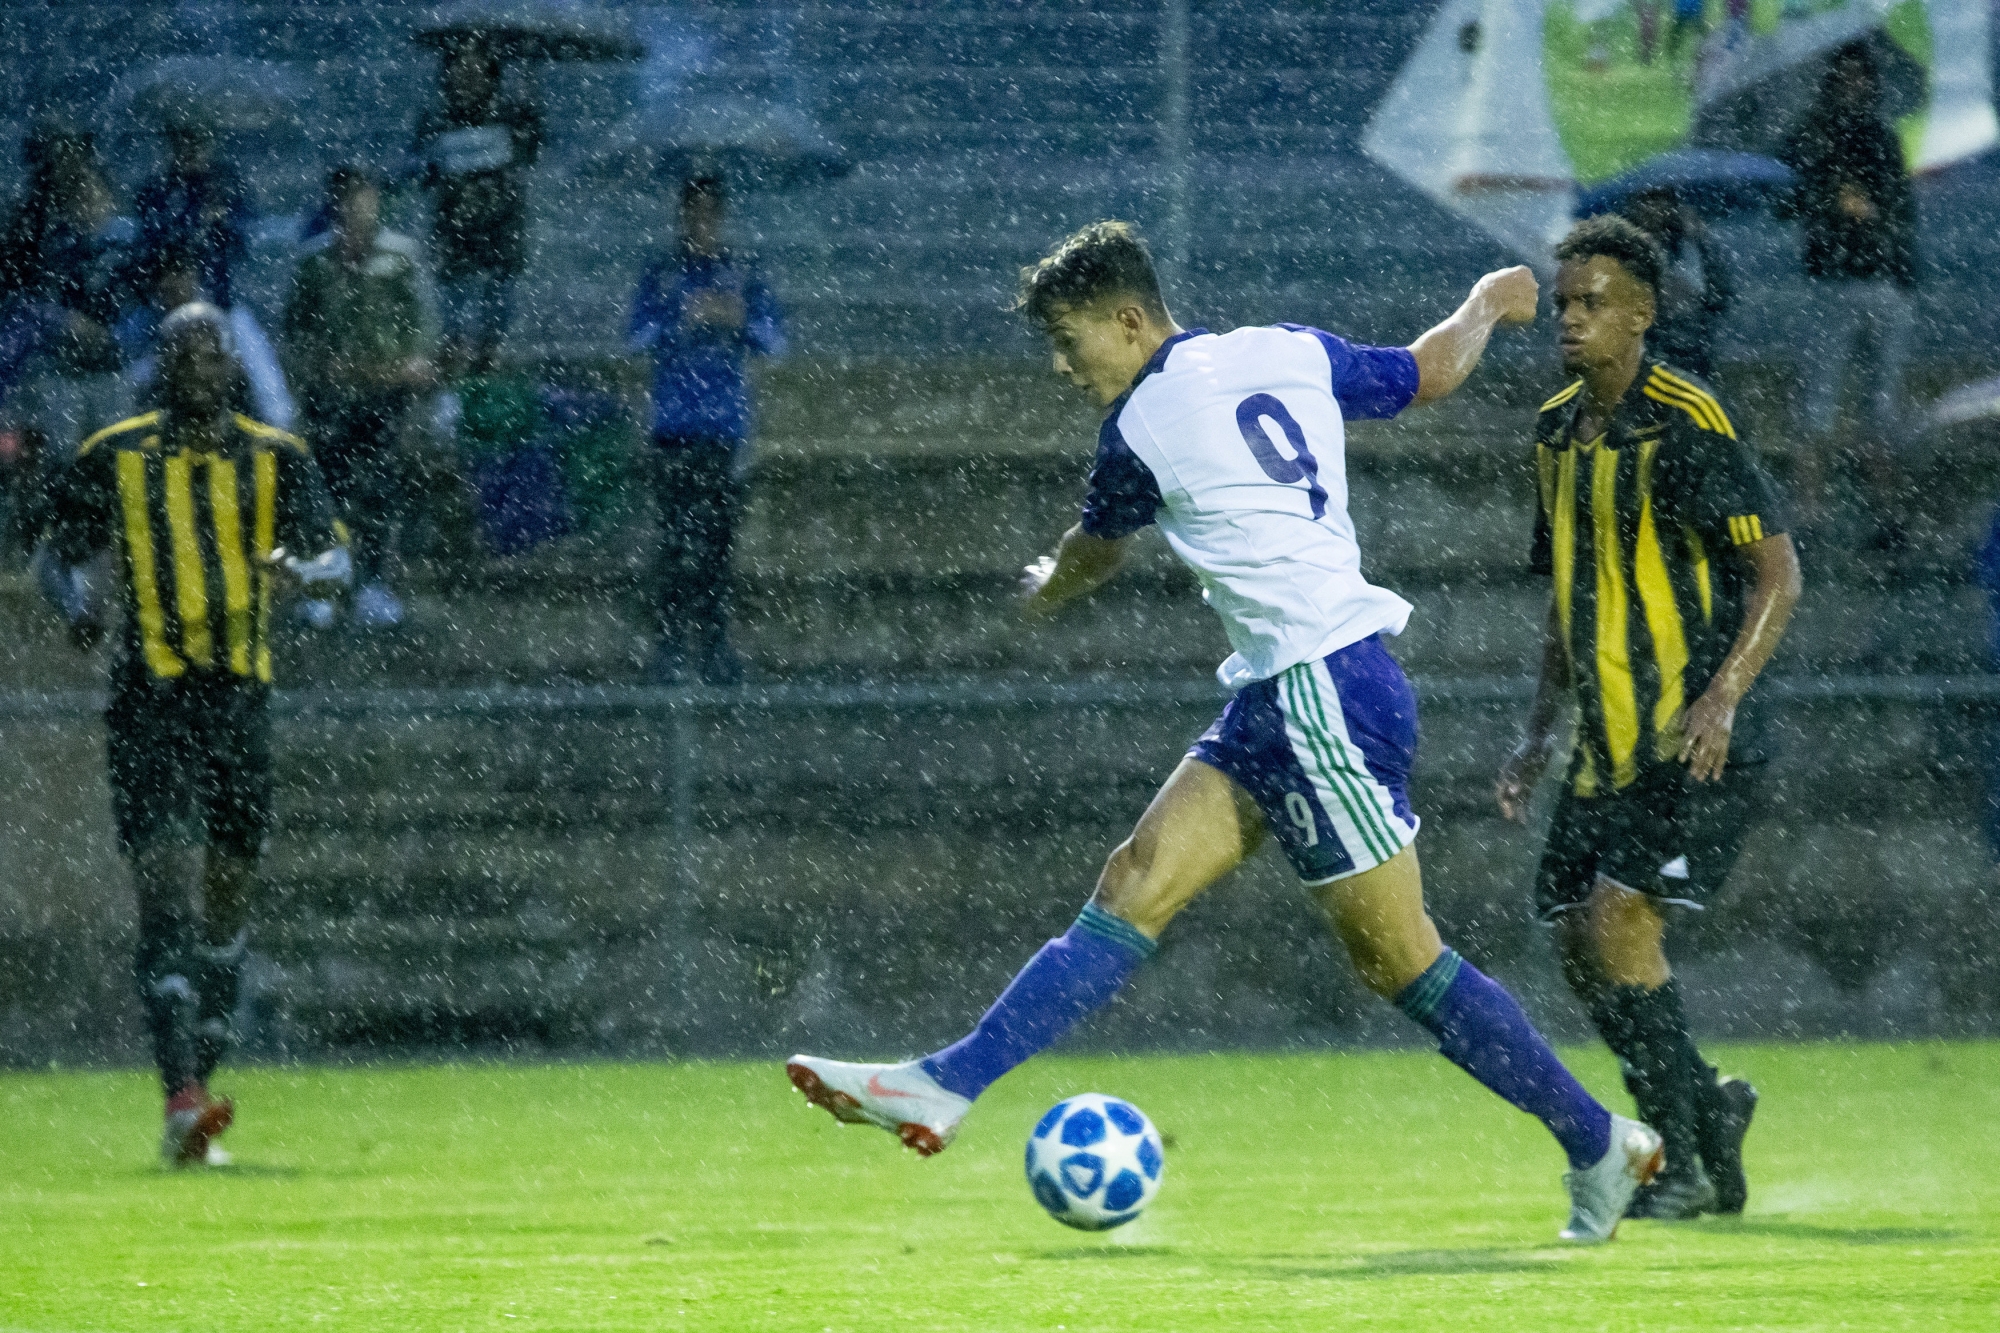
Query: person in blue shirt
{"type": "Point", "coordinates": [700, 312]}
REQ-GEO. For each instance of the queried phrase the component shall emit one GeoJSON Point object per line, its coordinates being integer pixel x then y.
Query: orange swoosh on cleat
{"type": "Point", "coordinates": [876, 1088]}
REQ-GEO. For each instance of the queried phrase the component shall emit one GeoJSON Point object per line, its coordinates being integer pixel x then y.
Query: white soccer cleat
{"type": "Point", "coordinates": [1599, 1195]}
{"type": "Point", "coordinates": [902, 1099]}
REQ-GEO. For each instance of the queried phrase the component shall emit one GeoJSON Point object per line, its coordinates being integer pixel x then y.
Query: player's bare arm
{"type": "Point", "coordinates": [1081, 565]}
{"type": "Point", "coordinates": [1709, 721]}
{"type": "Point", "coordinates": [1447, 353]}
{"type": "Point", "coordinates": [1525, 763]}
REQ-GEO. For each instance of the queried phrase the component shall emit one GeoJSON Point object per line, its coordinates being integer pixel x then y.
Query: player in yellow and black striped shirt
{"type": "Point", "coordinates": [198, 507]}
{"type": "Point", "coordinates": [1673, 581]}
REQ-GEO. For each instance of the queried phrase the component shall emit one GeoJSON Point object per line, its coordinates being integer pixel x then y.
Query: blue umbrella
{"type": "Point", "coordinates": [1711, 181]}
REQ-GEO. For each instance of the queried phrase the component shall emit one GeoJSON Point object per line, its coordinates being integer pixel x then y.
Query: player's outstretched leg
{"type": "Point", "coordinates": [1614, 959]}
{"type": "Point", "coordinates": [922, 1101]}
{"type": "Point", "coordinates": [1379, 914]}
{"type": "Point", "coordinates": [1196, 830]}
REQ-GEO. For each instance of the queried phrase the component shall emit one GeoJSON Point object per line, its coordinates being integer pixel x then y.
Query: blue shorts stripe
{"type": "Point", "coordinates": [1315, 746]}
{"type": "Point", "coordinates": [1376, 829]}
{"type": "Point", "coordinates": [1311, 720]}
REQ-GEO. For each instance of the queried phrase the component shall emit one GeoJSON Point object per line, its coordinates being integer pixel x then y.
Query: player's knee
{"type": "Point", "coordinates": [1387, 954]}
{"type": "Point", "coordinates": [1122, 882]}
{"type": "Point", "coordinates": [1372, 963]}
{"type": "Point", "coordinates": [1626, 937]}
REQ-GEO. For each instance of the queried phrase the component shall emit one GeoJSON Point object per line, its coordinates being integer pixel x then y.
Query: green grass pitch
{"type": "Point", "coordinates": [1376, 1191]}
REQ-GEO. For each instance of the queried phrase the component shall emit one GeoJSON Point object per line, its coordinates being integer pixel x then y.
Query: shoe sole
{"type": "Point", "coordinates": [845, 1108]}
{"type": "Point", "coordinates": [1652, 1209]}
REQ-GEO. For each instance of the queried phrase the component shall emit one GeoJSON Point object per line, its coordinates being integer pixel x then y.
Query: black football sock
{"type": "Point", "coordinates": [1648, 1032]}
{"type": "Point", "coordinates": [1617, 1032]}
{"type": "Point", "coordinates": [1701, 1076]}
{"type": "Point", "coordinates": [161, 967]}
{"type": "Point", "coordinates": [218, 981]}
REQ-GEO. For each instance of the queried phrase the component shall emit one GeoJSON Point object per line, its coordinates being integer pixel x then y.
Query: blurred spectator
{"type": "Point", "coordinates": [59, 254]}
{"type": "Point", "coordinates": [171, 280]}
{"type": "Point", "coordinates": [475, 148]}
{"type": "Point", "coordinates": [1689, 24]}
{"type": "Point", "coordinates": [198, 210]}
{"type": "Point", "coordinates": [700, 311]}
{"type": "Point", "coordinates": [1697, 289]}
{"type": "Point", "coordinates": [359, 338]}
{"type": "Point", "coordinates": [199, 207]}
{"type": "Point", "coordinates": [1859, 215]}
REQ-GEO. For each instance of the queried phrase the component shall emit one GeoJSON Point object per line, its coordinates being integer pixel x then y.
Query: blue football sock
{"type": "Point", "coordinates": [1482, 1030]}
{"type": "Point", "coordinates": [1069, 978]}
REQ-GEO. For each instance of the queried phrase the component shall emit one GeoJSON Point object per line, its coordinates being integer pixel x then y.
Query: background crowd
{"type": "Point", "coordinates": [381, 335]}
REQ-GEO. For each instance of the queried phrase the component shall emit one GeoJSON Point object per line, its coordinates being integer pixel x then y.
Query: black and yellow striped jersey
{"type": "Point", "coordinates": [1637, 529]}
{"type": "Point", "coordinates": [193, 531]}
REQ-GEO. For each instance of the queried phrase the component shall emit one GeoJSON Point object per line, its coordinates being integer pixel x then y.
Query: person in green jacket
{"type": "Point", "coordinates": [360, 338]}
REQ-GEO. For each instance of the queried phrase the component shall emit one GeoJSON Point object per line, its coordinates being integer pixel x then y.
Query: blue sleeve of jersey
{"type": "Point", "coordinates": [1124, 496]}
{"type": "Point", "coordinates": [1369, 383]}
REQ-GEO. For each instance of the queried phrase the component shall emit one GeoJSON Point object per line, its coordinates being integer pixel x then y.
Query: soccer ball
{"type": "Point", "coordinates": [1095, 1162]}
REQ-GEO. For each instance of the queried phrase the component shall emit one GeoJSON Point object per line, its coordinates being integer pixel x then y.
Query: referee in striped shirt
{"type": "Point", "coordinates": [1673, 581]}
{"type": "Point", "coordinates": [197, 506]}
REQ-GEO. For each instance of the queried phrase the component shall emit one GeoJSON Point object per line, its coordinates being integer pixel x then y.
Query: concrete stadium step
{"type": "Point", "coordinates": [427, 945]}
{"type": "Point", "coordinates": [892, 549]}
{"type": "Point", "coordinates": [472, 895]}
{"type": "Point", "coordinates": [1151, 624]}
{"type": "Point", "coordinates": [417, 841]}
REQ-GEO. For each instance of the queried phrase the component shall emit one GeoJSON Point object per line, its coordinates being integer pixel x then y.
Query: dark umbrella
{"type": "Point", "coordinates": [751, 145]}
{"type": "Point", "coordinates": [220, 94]}
{"type": "Point", "coordinates": [1711, 181]}
{"type": "Point", "coordinates": [1750, 98]}
{"type": "Point", "coordinates": [528, 31]}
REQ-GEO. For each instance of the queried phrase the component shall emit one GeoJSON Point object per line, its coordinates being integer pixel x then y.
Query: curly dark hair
{"type": "Point", "coordinates": [1616, 238]}
{"type": "Point", "coordinates": [1103, 259]}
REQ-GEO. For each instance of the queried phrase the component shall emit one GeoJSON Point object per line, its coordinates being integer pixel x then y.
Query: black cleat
{"type": "Point", "coordinates": [1722, 1131]}
{"type": "Point", "coordinates": [1676, 1195]}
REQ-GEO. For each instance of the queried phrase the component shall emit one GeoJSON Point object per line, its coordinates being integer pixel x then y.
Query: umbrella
{"type": "Point", "coordinates": [527, 31]}
{"type": "Point", "coordinates": [752, 145]}
{"type": "Point", "coordinates": [1711, 181]}
{"type": "Point", "coordinates": [1750, 96]}
{"type": "Point", "coordinates": [221, 94]}
{"type": "Point", "coordinates": [1968, 402]}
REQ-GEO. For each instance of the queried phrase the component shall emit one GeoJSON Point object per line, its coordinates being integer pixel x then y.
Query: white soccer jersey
{"type": "Point", "coordinates": [1234, 444]}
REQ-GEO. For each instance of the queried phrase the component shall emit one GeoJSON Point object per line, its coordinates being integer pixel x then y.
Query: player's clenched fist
{"type": "Point", "coordinates": [1513, 293]}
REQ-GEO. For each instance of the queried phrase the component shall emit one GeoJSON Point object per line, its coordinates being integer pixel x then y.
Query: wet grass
{"type": "Point", "coordinates": [1382, 1191]}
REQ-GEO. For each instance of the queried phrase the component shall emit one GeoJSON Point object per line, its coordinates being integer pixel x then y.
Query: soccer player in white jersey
{"type": "Point", "coordinates": [1233, 444]}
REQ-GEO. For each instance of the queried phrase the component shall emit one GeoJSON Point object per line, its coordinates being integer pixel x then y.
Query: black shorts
{"type": "Point", "coordinates": [1666, 836]}
{"type": "Point", "coordinates": [191, 758]}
